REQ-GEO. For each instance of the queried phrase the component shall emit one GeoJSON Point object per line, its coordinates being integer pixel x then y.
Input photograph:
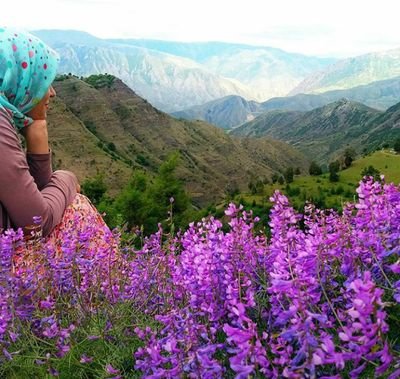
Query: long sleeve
{"type": "Point", "coordinates": [19, 194]}
{"type": "Point", "coordinates": [40, 168]}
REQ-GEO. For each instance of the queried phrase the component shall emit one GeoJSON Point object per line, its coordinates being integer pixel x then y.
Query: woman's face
{"type": "Point", "coordinates": [40, 110]}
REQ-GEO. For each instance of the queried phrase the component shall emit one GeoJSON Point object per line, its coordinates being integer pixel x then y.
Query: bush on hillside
{"type": "Point", "coordinates": [100, 80]}
{"type": "Point", "coordinates": [289, 175]}
{"type": "Point", "coordinates": [348, 157]}
{"type": "Point", "coordinates": [94, 188]}
{"type": "Point", "coordinates": [396, 146]}
{"type": "Point", "coordinates": [145, 203]}
{"type": "Point", "coordinates": [371, 171]}
{"type": "Point", "coordinates": [315, 169]}
{"type": "Point", "coordinates": [334, 168]}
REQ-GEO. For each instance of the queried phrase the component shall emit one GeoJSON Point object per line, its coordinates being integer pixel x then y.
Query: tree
{"type": "Point", "coordinates": [274, 177]}
{"type": "Point", "coordinates": [256, 187]}
{"type": "Point", "coordinates": [166, 187]}
{"type": "Point", "coordinates": [349, 156]}
{"type": "Point", "coordinates": [132, 202]}
{"type": "Point", "coordinates": [396, 146]}
{"type": "Point", "coordinates": [94, 188]}
{"type": "Point", "coordinates": [315, 169]}
{"type": "Point", "coordinates": [334, 168]}
{"type": "Point", "coordinates": [259, 186]}
{"type": "Point", "coordinates": [371, 171]}
{"type": "Point", "coordinates": [252, 187]}
{"type": "Point", "coordinates": [111, 146]}
{"type": "Point", "coordinates": [145, 203]}
{"type": "Point", "coordinates": [289, 174]}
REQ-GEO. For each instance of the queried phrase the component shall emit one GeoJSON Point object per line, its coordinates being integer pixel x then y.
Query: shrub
{"type": "Point", "coordinates": [90, 125]}
{"type": "Point", "coordinates": [396, 146]}
{"type": "Point", "coordinates": [292, 191]}
{"type": "Point", "coordinates": [142, 160]}
{"type": "Point", "coordinates": [100, 81]}
{"type": "Point", "coordinates": [289, 174]}
{"type": "Point", "coordinates": [122, 111]}
{"type": "Point", "coordinates": [334, 168]}
{"type": "Point", "coordinates": [315, 169]}
{"type": "Point", "coordinates": [111, 146]}
{"type": "Point", "coordinates": [348, 157]}
{"type": "Point", "coordinates": [371, 171]}
{"type": "Point", "coordinates": [94, 188]}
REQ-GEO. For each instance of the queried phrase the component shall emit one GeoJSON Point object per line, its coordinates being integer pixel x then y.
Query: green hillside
{"type": "Point", "coordinates": [322, 192]}
{"type": "Point", "coordinates": [324, 133]}
{"type": "Point", "coordinates": [101, 125]}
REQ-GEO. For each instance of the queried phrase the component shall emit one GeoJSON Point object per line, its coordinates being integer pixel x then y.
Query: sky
{"type": "Point", "coordinates": [334, 28]}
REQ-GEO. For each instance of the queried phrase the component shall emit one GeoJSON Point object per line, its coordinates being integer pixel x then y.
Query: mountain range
{"type": "Point", "coordinates": [352, 72]}
{"type": "Point", "coordinates": [176, 75]}
{"type": "Point", "coordinates": [232, 111]}
{"type": "Point", "coordinates": [324, 133]}
{"type": "Point", "coordinates": [101, 125]}
{"type": "Point", "coordinates": [124, 127]}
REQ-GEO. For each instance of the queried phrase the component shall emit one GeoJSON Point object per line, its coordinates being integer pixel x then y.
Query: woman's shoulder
{"type": "Point", "coordinates": [5, 117]}
{"type": "Point", "coordinates": [8, 133]}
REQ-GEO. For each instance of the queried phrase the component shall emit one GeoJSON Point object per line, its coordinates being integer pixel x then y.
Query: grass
{"type": "Point", "coordinates": [325, 194]}
{"type": "Point", "coordinates": [116, 347]}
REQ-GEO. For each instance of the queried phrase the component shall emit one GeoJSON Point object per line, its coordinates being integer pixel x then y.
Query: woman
{"type": "Point", "coordinates": [30, 192]}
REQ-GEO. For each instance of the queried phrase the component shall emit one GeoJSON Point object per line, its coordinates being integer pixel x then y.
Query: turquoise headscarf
{"type": "Point", "coordinates": [27, 69]}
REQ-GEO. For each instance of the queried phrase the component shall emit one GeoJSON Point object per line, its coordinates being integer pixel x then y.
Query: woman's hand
{"type": "Point", "coordinates": [36, 136]}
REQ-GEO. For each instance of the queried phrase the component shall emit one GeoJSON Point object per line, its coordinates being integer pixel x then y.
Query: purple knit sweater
{"type": "Point", "coordinates": [28, 186]}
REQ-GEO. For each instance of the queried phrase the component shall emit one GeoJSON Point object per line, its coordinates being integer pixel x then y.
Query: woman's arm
{"type": "Point", "coordinates": [40, 168]}
{"type": "Point", "coordinates": [38, 153]}
{"type": "Point", "coordinates": [36, 136]}
{"type": "Point", "coordinates": [18, 192]}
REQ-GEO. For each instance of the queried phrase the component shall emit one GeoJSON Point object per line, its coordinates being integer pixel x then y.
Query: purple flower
{"type": "Point", "coordinates": [111, 370]}
{"type": "Point", "coordinates": [310, 299]}
{"type": "Point", "coordinates": [53, 372]}
{"type": "Point", "coordinates": [85, 359]}
{"type": "Point", "coordinates": [93, 338]}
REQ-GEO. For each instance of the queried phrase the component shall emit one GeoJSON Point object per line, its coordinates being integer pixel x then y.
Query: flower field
{"type": "Point", "coordinates": [318, 297]}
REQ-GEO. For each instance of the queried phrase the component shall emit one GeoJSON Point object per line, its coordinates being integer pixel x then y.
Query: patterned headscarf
{"type": "Point", "coordinates": [27, 69]}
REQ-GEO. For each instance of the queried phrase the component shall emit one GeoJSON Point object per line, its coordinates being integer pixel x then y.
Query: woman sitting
{"type": "Point", "coordinates": [31, 194]}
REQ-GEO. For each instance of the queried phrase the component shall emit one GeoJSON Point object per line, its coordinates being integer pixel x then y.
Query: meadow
{"type": "Point", "coordinates": [317, 298]}
{"type": "Point", "coordinates": [325, 194]}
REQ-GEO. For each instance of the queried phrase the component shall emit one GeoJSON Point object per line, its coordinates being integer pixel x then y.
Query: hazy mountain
{"type": "Point", "coordinates": [226, 113]}
{"type": "Point", "coordinates": [352, 72]}
{"type": "Point", "coordinates": [174, 75]}
{"type": "Point", "coordinates": [380, 95]}
{"type": "Point", "coordinates": [324, 132]}
{"type": "Point", "coordinates": [268, 71]}
{"type": "Point", "coordinates": [232, 111]}
{"type": "Point", "coordinates": [168, 82]}
{"type": "Point", "coordinates": [114, 130]}
{"type": "Point", "coordinates": [271, 72]}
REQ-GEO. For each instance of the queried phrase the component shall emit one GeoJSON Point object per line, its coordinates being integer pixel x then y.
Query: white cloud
{"type": "Point", "coordinates": [341, 27]}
